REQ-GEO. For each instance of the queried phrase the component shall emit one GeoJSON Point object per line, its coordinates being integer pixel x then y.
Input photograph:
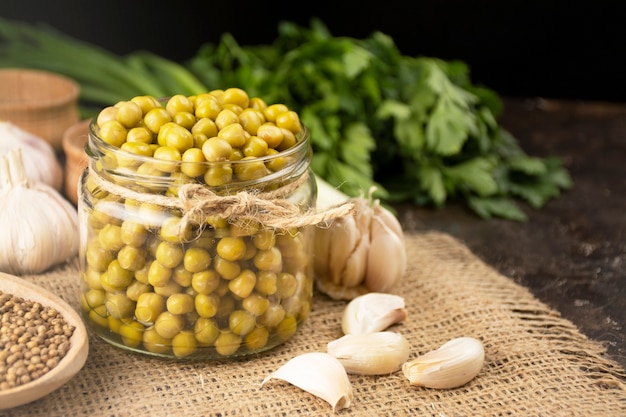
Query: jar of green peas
{"type": "Point", "coordinates": [195, 238]}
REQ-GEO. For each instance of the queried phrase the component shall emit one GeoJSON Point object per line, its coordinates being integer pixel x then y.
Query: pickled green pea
{"type": "Point", "coordinates": [193, 163]}
{"type": "Point", "coordinates": [289, 120]}
{"type": "Point", "coordinates": [179, 103]}
{"type": "Point", "coordinates": [266, 282]}
{"type": "Point", "coordinates": [273, 316]}
{"type": "Point", "coordinates": [264, 239]}
{"type": "Point", "coordinates": [216, 149]}
{"type": "Point", "coordinates": [273, 110]}
{"type": "Point", "coordinates": [146, 103]}
{"type": "Point", "coordinates": [114, 323]}
{"type": "Point", "coordinates": [92, 298]}
{"type": "Point", "coordinates": [231, 248]}
{"type": "Point", "coordinates": [271, 134]}
{"type": "Point", "coordinates": [92, 279]}
{"type": "Point", "coordinates": [207, 108]}
{"type": "Point", "coordinates": [269, 260]}
{"type": "Point", "coordinates": [241, 322]}
{"type": "Point", "coordinates": [287, 328]}
{"type": "Point", "coordinates": [156, 118]}
{"type": "Point", "coordinates": [255, 147]}
{"type": "Point", "coordinates": [181, 276]}
{"type": "Point", "coordinates": [170, 155]}
{"type": "Point", "coordinates": [206, 305]}
{"type": "Point", "coordinates": [218, 175]}
{"type": "Point", "coordinates": [227, 269]}
{"type": "Point", "coordinates": [113, 133]}
{"type": "Point", "coordinates": [287, 285]}
{"type": "Point", "coordinates": [155, 343]}
{"type": "Point", "coordinates": [243, 284]}
{"type": "Point", "coordinates": [176, 137]}
{"type": "Point", "coordinates": [257, 103]}
{"type": "Point", "coordinates": [159, 275]}
{"type": "Point", "coordinates": [184, 344]}
{"type": "Point", "coordinates": [117, 276]}
{"type": "Point", "coordinates": [205, 126]}
{"type": "Point", "coordinates": [106, 114]}
{"type": "Point", "coordinates": [255, 304]}
{"type": "Point", "coordinates": [206, 331]}
{"type": "Point", "coordinates": [168, 289]}
{"type": "Point", "coordinates": [196, 259]}
{"type": "Point", "coordinates": [132, 258]}
{"type": "Point", "coordinates": [129, 114]}
{"type": "Point", "coordinates": [141, 275]}
{"type": "Point", "coordinates": [171, 231]}
{"type": "Point", "coordinates": [224, 118]}
{"type": "Point", "coordinates": [276, 162]}
{"type": "Point", "coordinates": [235, 96]}
{"type": "Point", "coordinates": [252, 169]}
{"type": "Point", "coordinates": [149, 306]}
{"type": "Point", "coordinates": [110, 237]}
{"type": "Point", "coordinates": [227, 343]}
{"type": "Point", "coordinates": [119, 306]}
{"type": "Point", "coordinates": [205, 282]}
{"type": "Point", "coordinates": [136, 149]}
{"type": "Point", "coordinates": [233, 134]}
{"type": "Point", "coordinates": [180, 303]}
{"type": "Point", "coordinates": [169, 254]}
{"type": "Point", "coordinates": [257, 338]}
{"type": "Point", "coordinates": [136, 288]}
{"type": "Point", "coordinates": [131, 333]}
{"type": "Point", "coordinates": [251, 119]}
{"type": "Point", "coordinates": [139, 135]}
{"type": "Point", "coordinates": [99, 316]}
{"type": "Point", "coordinates": [168, 325]}
{"type": "Point", "coordinates": [289, 140]}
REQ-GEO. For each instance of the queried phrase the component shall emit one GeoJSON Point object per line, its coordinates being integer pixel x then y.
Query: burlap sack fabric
{"type": "Point", "coordinates": [537, 363]}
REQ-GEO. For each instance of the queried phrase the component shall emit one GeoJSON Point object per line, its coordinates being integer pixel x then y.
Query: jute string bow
{"type": "Point", "coordinates": [270, 209]}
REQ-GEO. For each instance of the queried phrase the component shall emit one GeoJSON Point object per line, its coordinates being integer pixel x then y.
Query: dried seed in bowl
{"type": "Point", "coordinates": [33, 340]}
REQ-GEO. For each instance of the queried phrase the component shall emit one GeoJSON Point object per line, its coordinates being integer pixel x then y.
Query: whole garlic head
{"type": "Point", "coordinates": [360, 253]}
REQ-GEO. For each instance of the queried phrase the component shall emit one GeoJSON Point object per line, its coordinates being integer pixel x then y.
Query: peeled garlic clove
{"type": "Point", "coordinates": [388, 264]}
{"type": "Point", "coordinates": [372, 353]}
{"type": "Point", "coordinates": [454, 364]}
{"type": "Point", "coordinates": [320, 374]}
{"type": "Point", "coordinates": [373, 312]}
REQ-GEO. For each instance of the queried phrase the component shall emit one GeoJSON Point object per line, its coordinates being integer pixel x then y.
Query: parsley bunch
{"type": "Point", "coordinates": [414, 127]}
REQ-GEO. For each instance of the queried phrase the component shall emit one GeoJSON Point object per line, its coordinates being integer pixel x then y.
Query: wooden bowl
{"type": "Point", "coordinates": [41, 102]}
{"type": "Point", "coordinates": [71, 363]}
{"type": "Point", "coordinates": [76, 159]}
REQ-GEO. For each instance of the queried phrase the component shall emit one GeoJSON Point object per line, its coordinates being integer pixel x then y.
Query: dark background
{"type": "Point", "coordinates": [550, 49]}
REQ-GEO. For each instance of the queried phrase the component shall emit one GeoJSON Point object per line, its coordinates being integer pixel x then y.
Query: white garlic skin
{"type": "Point", "coordinates": [376, 353]}
{"type": "Point", "coordinates": [359, 253]}
{"type": "Point", "coordinates": [373, 312]}
{"type": "Point", "coordinates": [454, 364]}
{"type": "Point", "coordinates": [38, 226]}
{"type": "Point", "coordinates": [320, 374]}
{"type": "Point", "coordinates": [40, 160]}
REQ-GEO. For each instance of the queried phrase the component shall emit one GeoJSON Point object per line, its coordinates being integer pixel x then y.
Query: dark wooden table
{"type": "Point", "coordinates": [572, 253]}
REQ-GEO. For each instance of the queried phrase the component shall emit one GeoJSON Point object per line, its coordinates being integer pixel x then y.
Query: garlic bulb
{"type": "Point", "coordinates": [373, 312]}
{"type": "Point", "coordinates": [39, 157]}
{"type": "Point", "coordinates": [320, 374]}
{"type": "Point", "coordinates": [38, 226]}
{"type": "Point", "coordinates": [360, 253]}
{"type": "Point", "coordinates": [376, 353]}
{"type": "Point", "coordinates": [454, 364]}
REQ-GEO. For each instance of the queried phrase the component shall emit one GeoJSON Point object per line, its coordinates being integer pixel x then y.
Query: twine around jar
{"type": "Point", "coordinates": [269, 209]}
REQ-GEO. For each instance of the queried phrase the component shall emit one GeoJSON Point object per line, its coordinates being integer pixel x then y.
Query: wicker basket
{"type": "Point", "coordinates": [39, 102]}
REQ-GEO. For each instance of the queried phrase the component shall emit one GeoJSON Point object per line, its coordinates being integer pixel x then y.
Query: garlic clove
{"type": "Point", "coordinates": [320, 374]}
{"type": "Point", "coordinates": [389, 264]}
{"type": "Point", "coordinates": [376, 353]}
{"type": "Point", "coordinates": [454, 364]}
{"type": "Point", "coordinates": [373, 312]}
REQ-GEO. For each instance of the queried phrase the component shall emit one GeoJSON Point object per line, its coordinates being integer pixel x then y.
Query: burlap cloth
{"type": "Point", "coordinates": [537, 363]}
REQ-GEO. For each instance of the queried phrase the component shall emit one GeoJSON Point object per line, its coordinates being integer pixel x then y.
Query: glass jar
{"type": "Point", "coordinates": [174, 267]}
